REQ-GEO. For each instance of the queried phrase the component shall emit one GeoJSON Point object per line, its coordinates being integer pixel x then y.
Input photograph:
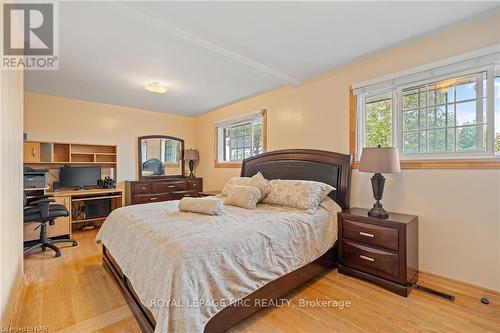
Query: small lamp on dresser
{"type": "Point", "coordinates": [379, 160]}
{"type": "Point", "coordinates": [191, 155]}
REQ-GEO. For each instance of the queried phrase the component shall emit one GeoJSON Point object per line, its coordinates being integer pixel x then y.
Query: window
{"type": "Point", "coordinates": [378, 121]}
{"type": "Point", "coordinates": [445, 116]}
{"type": "Point", "coordinates": [240, 138]}
{"type": "Point", "coordinates": [439, 113]}
{"type": "Point", "coordinates": [171, 151]}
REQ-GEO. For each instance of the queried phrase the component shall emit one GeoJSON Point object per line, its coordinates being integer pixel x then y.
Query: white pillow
{"type": "Point", "coordinates": [261, 183]}
{"type": "Point", "coordinates": [301, 194]}
{"type": "Point", "coordinates": [243, 196]}
{"type": "Point", "coordinates": [235, 181]}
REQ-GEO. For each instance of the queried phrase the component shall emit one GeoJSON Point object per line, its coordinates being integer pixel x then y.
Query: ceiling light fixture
{"type": "Point", "coordinates": [155, 87]}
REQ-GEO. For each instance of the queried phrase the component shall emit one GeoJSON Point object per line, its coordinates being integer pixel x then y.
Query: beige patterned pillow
{"type": "Point", "coordinates": [208, 206]}
{"type": "Point", "coordinates": [301, 194]}
{"type": "Point", "coordinates": [235, 181]}
{"type": "Point", "coordinates": [243, 196]}
{"type": "Point", "coordinates": [261, 183]}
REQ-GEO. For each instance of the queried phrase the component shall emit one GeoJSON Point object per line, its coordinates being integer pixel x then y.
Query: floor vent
{"type": "Point", "coordinates": [435, 293]}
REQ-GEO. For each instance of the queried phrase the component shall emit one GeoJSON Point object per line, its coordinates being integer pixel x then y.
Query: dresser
{"type": "Point", "coordinates": [382, 251]}
{"type": "Point", "coordinates": [145, 191]}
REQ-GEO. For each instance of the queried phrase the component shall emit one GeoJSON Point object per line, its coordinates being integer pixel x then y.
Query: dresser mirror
{"type": "Point", "coordinates": [160, 156]}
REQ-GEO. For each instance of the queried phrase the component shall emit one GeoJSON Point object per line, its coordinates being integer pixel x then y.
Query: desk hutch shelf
{"type": "Point", "coordinates": [56, 153]}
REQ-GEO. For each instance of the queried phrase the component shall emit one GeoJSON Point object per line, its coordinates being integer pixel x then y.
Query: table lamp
{"type": "Point", "coordinates": [191, 155]}
{"type": "Point", "coordinates": [379, 160]}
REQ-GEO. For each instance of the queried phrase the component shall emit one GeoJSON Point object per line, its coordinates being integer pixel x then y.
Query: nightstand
{"type": "Point", "coordinates": [382, 251]}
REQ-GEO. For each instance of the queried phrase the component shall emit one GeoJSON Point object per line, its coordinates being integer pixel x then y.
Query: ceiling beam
{"type": "Point", "coordinates": [137, 13]}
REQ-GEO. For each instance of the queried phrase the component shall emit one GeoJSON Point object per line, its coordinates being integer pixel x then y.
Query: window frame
{"type": "Point", "coordinates": [451, 160]}
{"type": "Point", "coordinates": [220, 130]}
{"type": "Point", "coordinates": [440, 155]}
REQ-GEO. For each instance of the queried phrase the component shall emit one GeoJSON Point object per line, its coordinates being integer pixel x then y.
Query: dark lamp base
{"type": "Point", "coordinates": [378, 211]}
{"type": "Point", "coordinates": [191, 168]}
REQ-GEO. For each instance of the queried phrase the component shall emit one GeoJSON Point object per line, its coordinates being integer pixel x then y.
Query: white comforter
{"type": "Point", "coordinates": [185, 267]}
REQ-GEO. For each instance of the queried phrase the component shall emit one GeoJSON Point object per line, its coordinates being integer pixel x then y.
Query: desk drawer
{"type": "Point", "coordinates": [166, 187]}
{"type": "Point", "coordinates": [365, 257]}
{"type": "Point", "coordinates": [148, 198]}
{"type": "Point", "coordinates": [142, 188]}
{"type": "Point", "coordinates": [371, 234]}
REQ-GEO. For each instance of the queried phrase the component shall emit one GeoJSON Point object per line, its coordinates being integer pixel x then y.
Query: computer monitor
{"type": "Point", "coordinates": [75, 177]}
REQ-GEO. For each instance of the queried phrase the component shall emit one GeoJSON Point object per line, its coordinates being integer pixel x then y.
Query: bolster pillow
{"type": "Point", "coordinates": [208, 206]}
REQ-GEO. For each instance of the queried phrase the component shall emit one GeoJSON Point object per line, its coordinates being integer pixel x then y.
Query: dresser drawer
{"type": "Point", "coordinates": [166, 187]}
{"type": "Point", "coordinates": [371, 234]}
{"type": "Point", "coordinates": [143, 188]}
{"type": "Point", "coordinates": [182, 194]}
{"type": "Point", "coordinates": [194, 185]}
{"type": "Point", "coordinates": [365, 257]}
{"type": "Point", "coordinates": [147, 198]}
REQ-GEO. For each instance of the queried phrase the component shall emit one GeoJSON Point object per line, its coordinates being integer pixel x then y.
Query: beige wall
{"type": "Point", "coordinates": [458, 210]}
{"type": "Point", "coordinates": [11, 195]}
{"type": "Point", "coordinates": [60, 119]}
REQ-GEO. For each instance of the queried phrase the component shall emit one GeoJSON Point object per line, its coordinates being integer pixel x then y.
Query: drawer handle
{"type": "Point", "coordinates": [367, 258]}
{"type": "Point", "coordinates": [187, 195]}
{"type": "Point", "coordinates": [366, 234]}
{"type": "Point", "coordinates": [171, 186]}
{"type": "Point", "coordinates": [154, 198]}
{"type": "Point", "coordinates": [143, 188]}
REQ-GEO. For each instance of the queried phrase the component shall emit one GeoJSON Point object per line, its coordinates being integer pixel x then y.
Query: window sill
{"type": "Point", "coordinates": [483, 163]}
{"type": "Point", "coordinates": [229, 165]}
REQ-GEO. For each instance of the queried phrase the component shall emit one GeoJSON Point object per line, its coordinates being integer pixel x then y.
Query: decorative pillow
{"type": "Point", "coordinates": [301, 194]}
{"type": "Point", "coordinates": [207, 206]}
{"type": "Point", "coordinates": [235, 181]}
{"type": "Point", "coordinates": [261, 183]}
{"type": "Point", "coordinates": [243, 196]}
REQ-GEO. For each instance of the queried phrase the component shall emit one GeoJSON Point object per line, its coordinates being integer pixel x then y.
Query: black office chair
{"type": "Point", "coordinates": [40, 209]}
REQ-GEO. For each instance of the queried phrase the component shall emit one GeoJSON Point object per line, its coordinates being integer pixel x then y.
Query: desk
{"type": "Point", "coordinates": [73, 200]}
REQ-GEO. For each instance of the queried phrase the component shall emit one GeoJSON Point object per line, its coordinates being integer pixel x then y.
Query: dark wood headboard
{"type": "Point", "coordinates": [306, 164]}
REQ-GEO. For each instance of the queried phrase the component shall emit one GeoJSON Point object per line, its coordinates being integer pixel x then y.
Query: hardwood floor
{"type": "Point", "coordinates": [73, 293]}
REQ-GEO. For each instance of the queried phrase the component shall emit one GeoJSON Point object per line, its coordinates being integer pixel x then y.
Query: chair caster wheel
{"type": "Point", "coordinates": [44, 248]}
{"type": "Point", "coordinates": [75, 243]}
{"type": "Point", "coordinates": [58, 254]}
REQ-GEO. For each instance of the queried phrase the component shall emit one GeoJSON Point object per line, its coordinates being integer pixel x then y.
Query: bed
{"type": "Point", "coordinates": [278, 268]}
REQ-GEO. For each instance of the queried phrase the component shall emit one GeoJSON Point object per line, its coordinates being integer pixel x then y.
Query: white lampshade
{"type": "Point", "coordinates": [380, 160]}
{"type": "Point", "coordinates": [191, 154]}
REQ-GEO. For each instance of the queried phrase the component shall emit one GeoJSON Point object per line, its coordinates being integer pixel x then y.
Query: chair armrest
{"type": "Point", "coordinates": [41, 202]}
{"type": "Point", "coordinates": [33, 200]}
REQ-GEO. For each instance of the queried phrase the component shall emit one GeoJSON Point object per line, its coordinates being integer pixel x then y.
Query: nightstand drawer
{"type": "Point", "coordinates": [360, 257]}
{"type": "Point", "coordinates": [371, 234]}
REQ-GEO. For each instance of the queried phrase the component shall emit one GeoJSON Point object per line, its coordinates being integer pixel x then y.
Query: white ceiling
{"type": "Point", "coordinates": [210, 54]}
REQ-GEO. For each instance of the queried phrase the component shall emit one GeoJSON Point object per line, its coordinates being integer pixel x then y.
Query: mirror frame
{"type": "Point", "coordinates": [139, 149]}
